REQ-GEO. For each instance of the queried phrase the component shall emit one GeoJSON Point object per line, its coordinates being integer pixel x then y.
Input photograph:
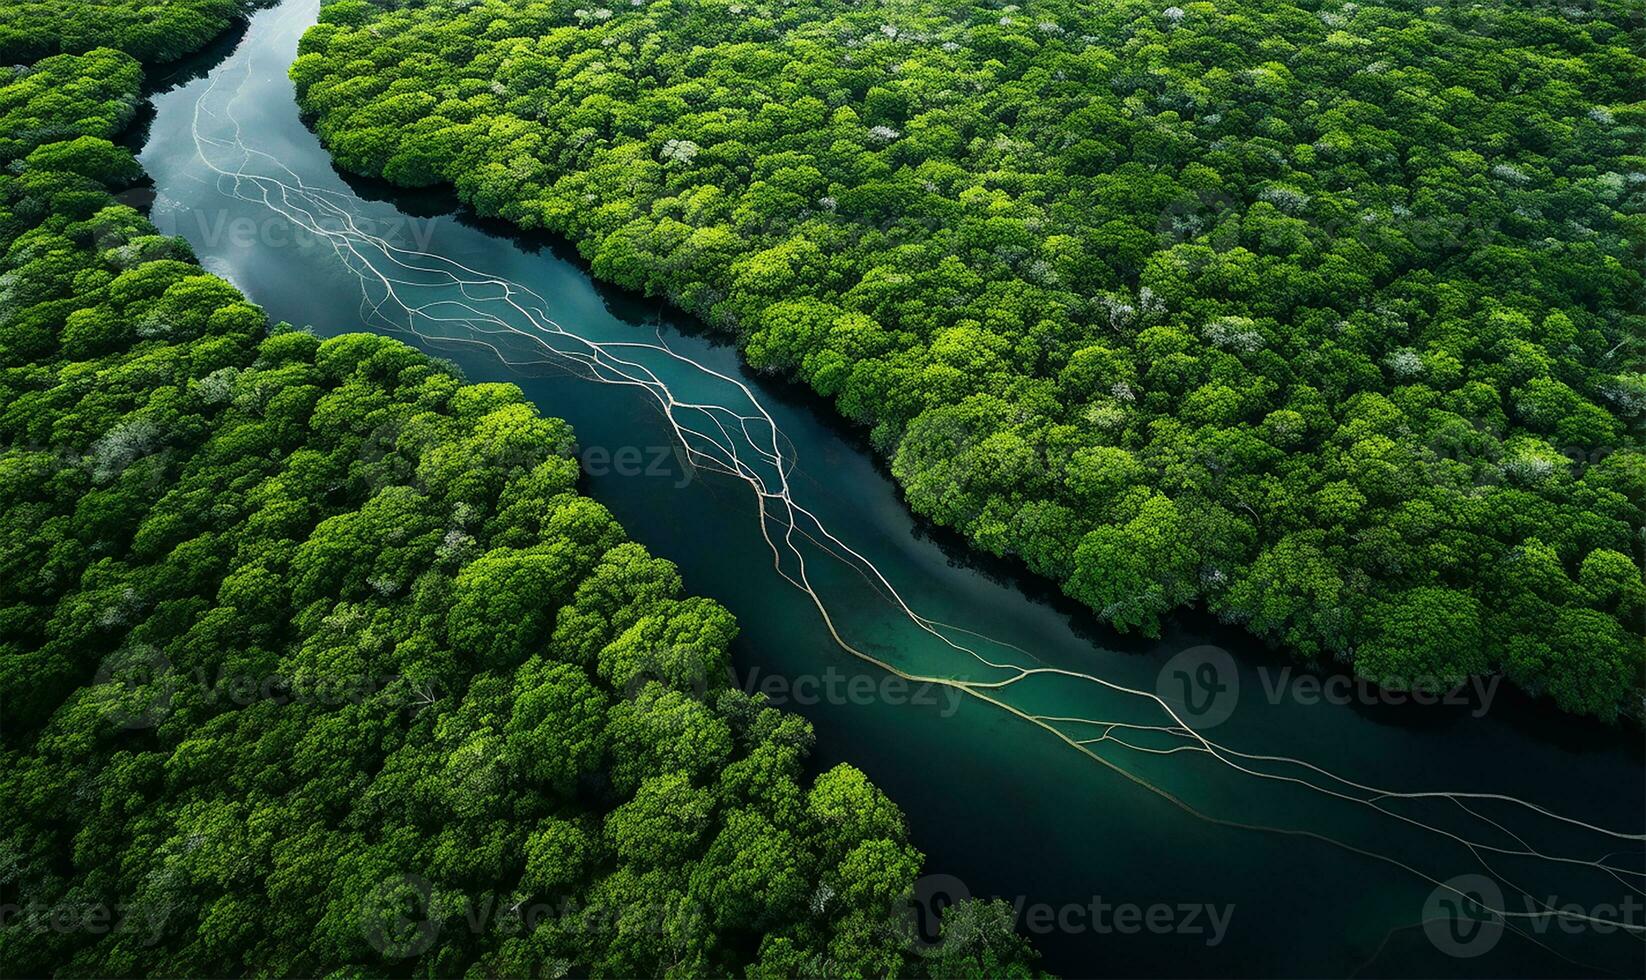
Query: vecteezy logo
{"type": "Point", "coordinates": [396, 916]}
{"type": "Point", "coordinates": [932, 895]}
{"type": "Point", "coordinates": [1200, 685]}
{"type": "Point", "coordinates": [137, 684]}
{"type": "Point", "coordinates": [1461, 916]}
{"type": "Point", "coordinates": [1194, 213]}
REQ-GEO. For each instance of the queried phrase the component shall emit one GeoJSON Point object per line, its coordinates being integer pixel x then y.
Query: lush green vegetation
{"type": "Point", "coordinates": [149, 30]}
{"type": "Point", "coordinates": [314, 660]}
{"type": "Point", "coordinates": [1324, 315]}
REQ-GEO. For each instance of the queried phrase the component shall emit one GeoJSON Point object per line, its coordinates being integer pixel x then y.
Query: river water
{"type": "Point", "coordinates": [1252, 822]}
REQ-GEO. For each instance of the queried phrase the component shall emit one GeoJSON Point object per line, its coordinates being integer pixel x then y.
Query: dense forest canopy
{"type": "Point", "coordinates": [314, 661]}
{"type": "Point", "coordinates": [148, 30]}
{"type": "Point", "coordinates": [1324, 315]}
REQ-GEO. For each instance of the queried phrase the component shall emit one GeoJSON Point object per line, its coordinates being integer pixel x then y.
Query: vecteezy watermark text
{"type": "Point", "coordinates": [1205, 921]}
{"type": "Point", "coordinates": [1202, 686]}
{"type": "Point", "coordinates": [403, 915]}
{"type": "Point", "coordinates": [143, 687]}
{"type": "Point", "coordinates": [837, 687]}
{"type": "Point", "coordinates": [85, 918]}
{"type": "Point", "coordinates": [832, 686]}
{"type": "Point", "coordinates": [671, 462]}
{"type": "Point", "coordinates": [218, 228]}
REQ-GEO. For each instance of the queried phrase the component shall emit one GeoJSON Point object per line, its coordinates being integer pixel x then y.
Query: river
{"type": "Point", "coordinates": [1272, 827]}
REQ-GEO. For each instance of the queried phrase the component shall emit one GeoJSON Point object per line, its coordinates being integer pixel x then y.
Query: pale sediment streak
{"type": "Point", "coordinates": [743, 441]}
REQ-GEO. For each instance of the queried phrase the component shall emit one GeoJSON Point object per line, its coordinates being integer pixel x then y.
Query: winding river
{"type": "Point", "coordinates": [1186, 807]}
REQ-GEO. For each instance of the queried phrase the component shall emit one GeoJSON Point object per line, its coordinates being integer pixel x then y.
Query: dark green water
{"type": "Point", "coordinates": [1000, 805]}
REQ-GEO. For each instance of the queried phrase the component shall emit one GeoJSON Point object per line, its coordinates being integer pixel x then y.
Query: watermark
{"type": "Point", "coordinates": [681, 669]}
{"type": "Point", "coordinates": [1202, 687]}
{"type": "Point", "coordinates": [1475, 692]}
{"type": "Point", "coordinates": [670, 462]}
{"type": "Point", "coordinates": [108, 459]}
{"type": "Point", "coordinates": [1198, 216]}
{"type": "Point", "coordinates": [397, 916]}
{"type": "Point", "coordinates": [837, 687]}
{"type": "Point", "coordinates": [216, 229]}
{"type": "Point", "coordinates": [403, 915]}
{"type": "Point", "coordinates": [145, 920]}
{"type": "Point", "coordinates": [1461, 918]}
{"type": "Point", "coordinates": [138, 684]}
{"type": "Point", "coordinates": [140, 687]}
{"type": "Point", "coordinates": [934, 895]}
{"type": "Point", "coordinates": [1465, 916]}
